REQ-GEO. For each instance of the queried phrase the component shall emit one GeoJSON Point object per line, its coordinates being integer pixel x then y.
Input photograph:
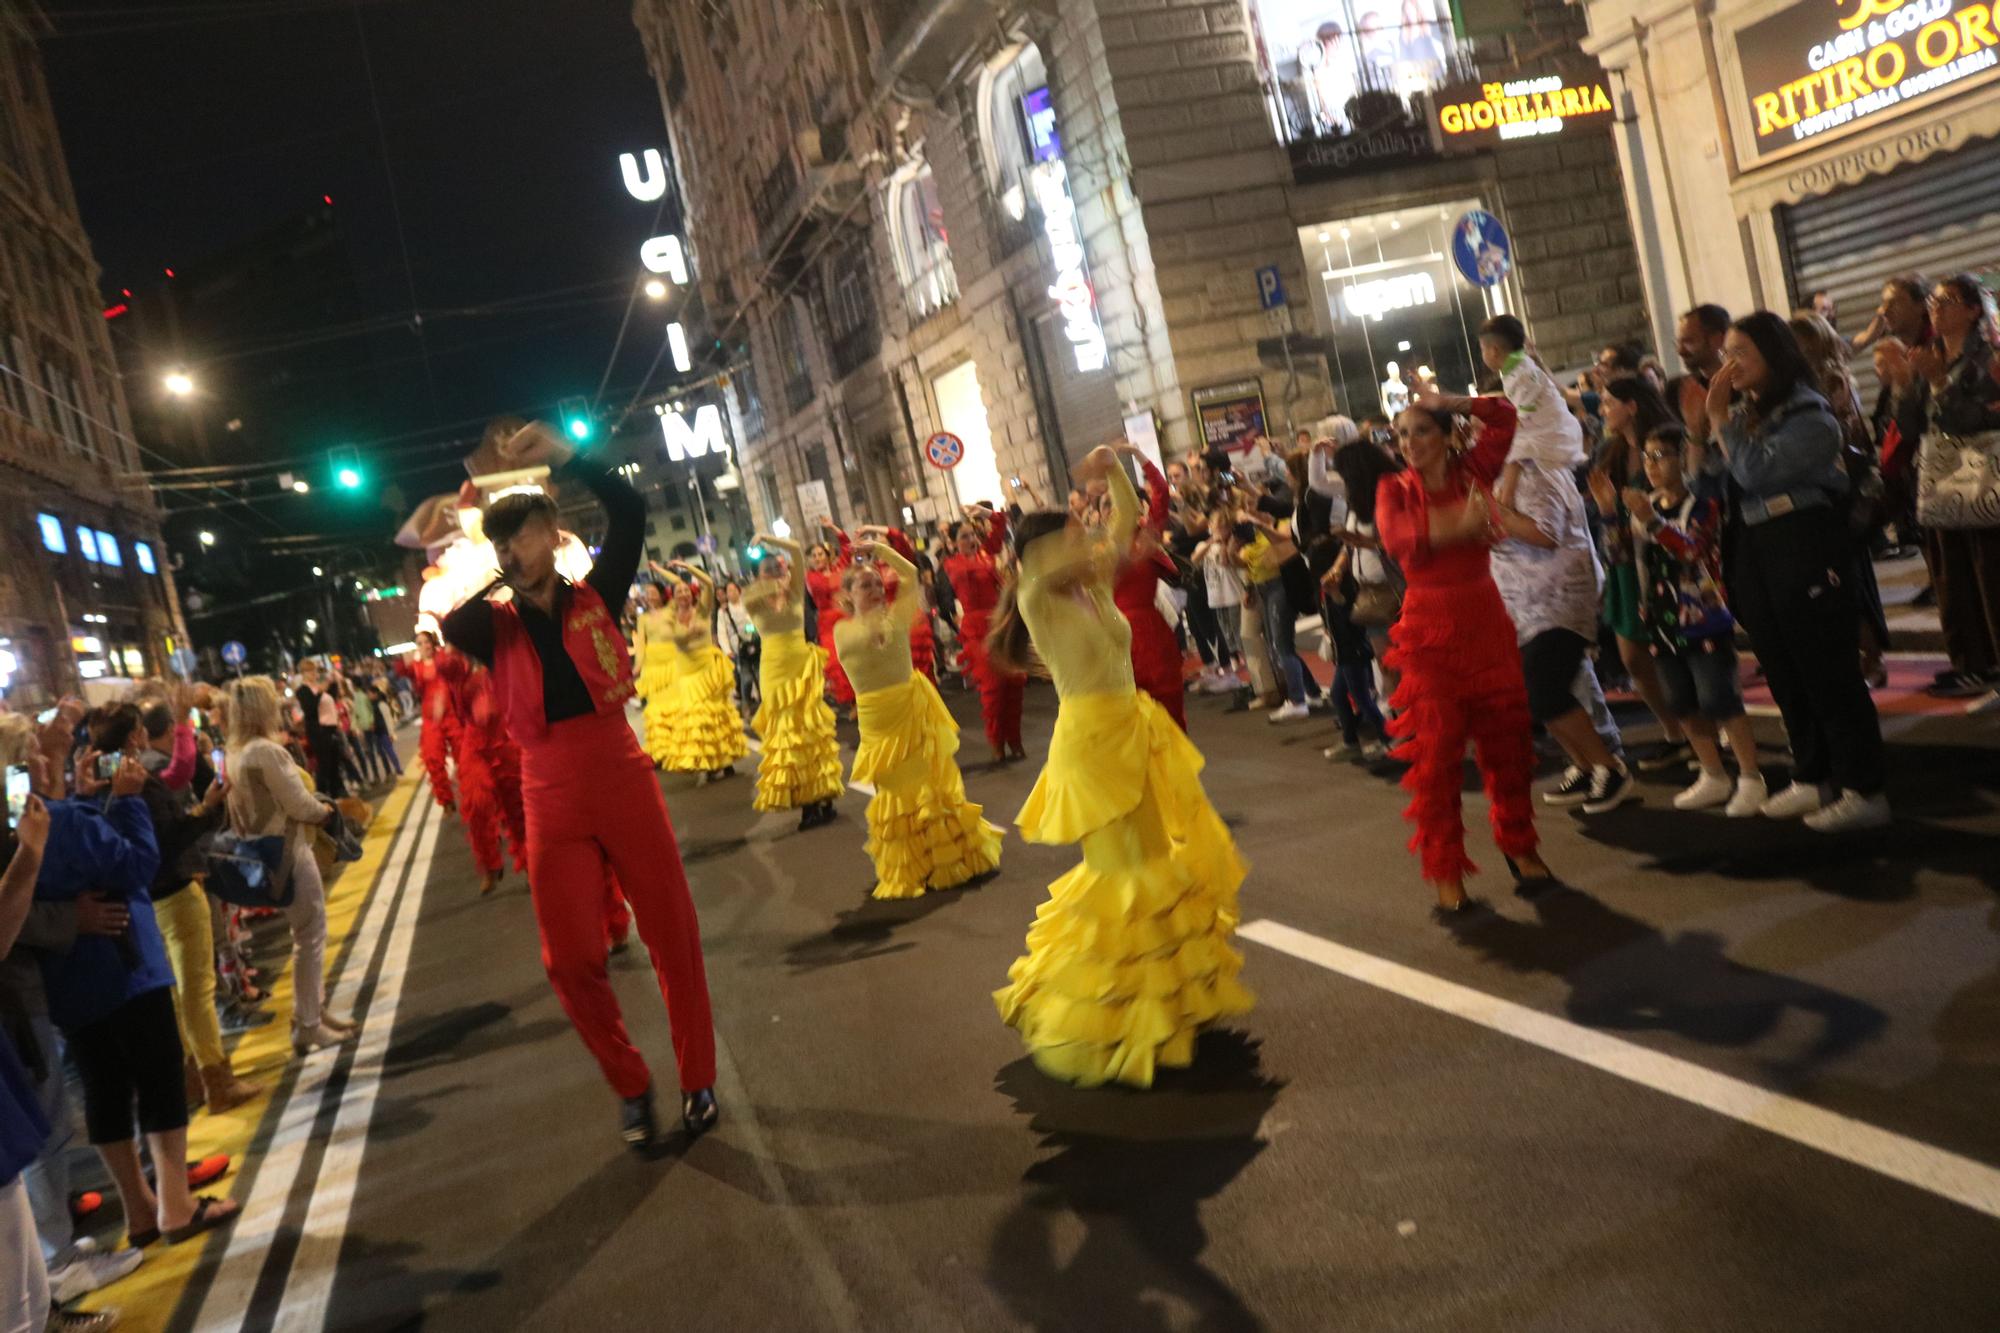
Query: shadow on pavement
{"type": "Point", "coordinates": [1134, 1169]}
{"type": "Point", "coordinates": [869, 930]}
{"type": "Point", "coordinates": [1625, 975]}
{"type": "Point", "coordinates": [470, 1030]}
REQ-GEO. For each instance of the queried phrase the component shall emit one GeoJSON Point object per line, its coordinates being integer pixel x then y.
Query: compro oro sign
{"type": "Point", "coordinates": [1475, 115]}
{"type": "Point", "coordinates": [1823, 68]}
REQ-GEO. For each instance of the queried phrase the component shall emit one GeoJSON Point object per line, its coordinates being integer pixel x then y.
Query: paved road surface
{"type": "Point", "coordinates": [1568, 1118]}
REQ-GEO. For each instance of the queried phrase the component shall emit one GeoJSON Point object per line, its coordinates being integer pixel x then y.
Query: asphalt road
{"type": "Point", "coordinates": [1346, 1157]}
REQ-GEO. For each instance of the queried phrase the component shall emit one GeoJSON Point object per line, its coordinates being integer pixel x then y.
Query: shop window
{"type": "Point", "coordinates": [1005, 145]}
{"type": "Point", "coordinates": [143, 553]}
{"type": "Point", "coordinates": [1395, 309]}
{"type": "Point", "coordinates": [86, 543]}
{"type": "Point", "coordinates": [918, 242]}
{"type": "Point", "coordinates": [1321, 59]}
{"type": "Point", "coordinates": [53, 540]}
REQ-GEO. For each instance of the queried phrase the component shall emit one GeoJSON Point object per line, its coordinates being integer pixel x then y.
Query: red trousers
{"type": "Point", "coordinates": [593, 801]}
{"type": "Point", "coordinates": [1158, 666]}
{"type": "Point", "coordinates": [489, 797]}
{"type": "Point", "coordinates": [1436, 720]}
{"type": "Point", "coordinates": [435, 744]}
{"type": "Point", "coordinates": [999, 691]}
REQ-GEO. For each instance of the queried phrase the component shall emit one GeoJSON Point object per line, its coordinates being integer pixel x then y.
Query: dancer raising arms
{"type": "Point", "coordinates": [1454, 645]}
{"type": "Point", "coordinates": [923, 638]}
{"type": "Point", "coordinates": [1130, 957]}
{"type": "Point", "coordinates": [439, 737]}
{"type": "Point", "coordinates": [800, 769]}
{"type": "Point", "coordinates": [704, 732]}
{"type": "Point", "coordinates": [562, 676]}
{"type": "Point", "coordinates": [1158, 665]}
{"type": "Point", "coordinates": [653, 647]}
{"type": "Point", "coordinates": [922, 832]}
{"type": "Point", "coordinates": [824, 565]}
{"type": "Point", "coordinates": [975, 576]}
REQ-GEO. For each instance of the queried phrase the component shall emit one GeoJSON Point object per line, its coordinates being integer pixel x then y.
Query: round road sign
{"type": "Point", "coordinates": [944, 450]}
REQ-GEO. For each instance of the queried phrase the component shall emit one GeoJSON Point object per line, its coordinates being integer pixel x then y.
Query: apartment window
{"type": "Point", "coordinates": [850, 307]}
{"type": "Point", "coordinates": [108, 552]}
{"type": "Point", "coordinates": [774, 503]}
{"type": "Point", "coordinates": [86, 543]}
{"type": "Point", "coordinates": [143, 553]}
{"type": "Point", "coordinates": [1005, 146]}
{"type": "Point", "coordinates": [918, 243]}
{"type": "Point", "coordinates": [792, 348]}
{"type": "Point", "coordinates": [1320, 57]}
{"type": "Point", "coordinates": [15, 388]}
{"type": "Point", "coordinates": [749, 405]}
{"type": "Point", "coordinates": [53, 539]}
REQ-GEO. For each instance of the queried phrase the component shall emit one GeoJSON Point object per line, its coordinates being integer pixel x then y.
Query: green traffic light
{"type": "Point", "coordinates": [349, 479]}
{"type": "Point", "coordinates": [579, 429]}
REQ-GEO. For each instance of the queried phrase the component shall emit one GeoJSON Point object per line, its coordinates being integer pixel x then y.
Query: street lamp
{"type": "Point", "coordinates": [655, 289]}
{"type": "Point", "coordinates": [311, 624]}
{"type": "Point", "coordinates": [207, 538]}
{"type": "Point", "coordinates": [179, 383]}
{"type": "Point", "coordinates": [301, 487]}
{"type": "Point", "coordinates": [318, 572]}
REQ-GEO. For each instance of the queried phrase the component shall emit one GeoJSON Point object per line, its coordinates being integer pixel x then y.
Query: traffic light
{"type": "Point", "coordinates": [574, 414]}
{"type": "Point", "coordinates": [753, 553]}
{"type": "Point", "coordinates": [346, 464]}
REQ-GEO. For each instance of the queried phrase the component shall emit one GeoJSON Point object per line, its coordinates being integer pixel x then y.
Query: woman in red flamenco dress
{"type": "Point", "coordinates": [825, 563]}
{"type": "Point", "coordinates": [1454, 644]}
{"type": "Point", "coordinates": [1158, 665]}
{"type": "Point", "coordinates": [973, 569]}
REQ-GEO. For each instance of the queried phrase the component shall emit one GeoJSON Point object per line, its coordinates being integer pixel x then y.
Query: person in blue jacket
{"type": "Point", "coordinates": [111, 995]}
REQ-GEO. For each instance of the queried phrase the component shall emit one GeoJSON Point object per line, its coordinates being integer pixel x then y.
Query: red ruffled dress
{"type": "Point", "coordinates": [1157, 661]}
{"type": "Point", "coordinates": [975, 581]}
{"type": "Point", "coordinates": [1461, 667]}
{"type": "Point", "coordinates": [823, 586]}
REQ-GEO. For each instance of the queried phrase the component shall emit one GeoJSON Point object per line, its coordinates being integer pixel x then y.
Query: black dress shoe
{"type": "Point", "coordinates": [1530, 886]}
{"type": "Point", "coordinates": [699, 1112]}
{"type": "Point", "coordinates": [636, 1124]}
{"type": "Point", "coordinates": [1469, 909]}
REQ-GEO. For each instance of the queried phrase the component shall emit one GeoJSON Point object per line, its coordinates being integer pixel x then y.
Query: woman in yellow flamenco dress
{"type": "Point", "coordinates": [922, 832]}
{"type": "Point", "coordinates": [653, 654]}
{"type": "Point", "coordinates": [800, 768]}
{"type": "Point", "coordinates": [704, 732]}
{"type": "Point", "coordinates": [1131, 956]}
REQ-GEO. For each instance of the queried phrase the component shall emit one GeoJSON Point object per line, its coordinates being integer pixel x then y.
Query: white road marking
{"type": "Point", "coordinates": [309, 1286]}
{"type": "Point", "coordinates": [1945, 1174]}
{"type": "Point", "coordinates": [228, 1297]}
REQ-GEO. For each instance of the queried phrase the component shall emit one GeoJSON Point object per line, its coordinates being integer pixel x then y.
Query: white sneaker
{"type": "Point", "coordinates": [1339, 751]}
{"type": "Point", "coordinates": [1709, 790]}
{"type": "Point", "coordinates": [1290, 712]}
{"type": "Point", "coordinates": [90, 1268]}
{"type": "Point", "coordinates": [1751, 793]}
{"type": "Point", "coordinates": [1852, 813]}
{"type": "Point", "coordinates": [1795, 801]}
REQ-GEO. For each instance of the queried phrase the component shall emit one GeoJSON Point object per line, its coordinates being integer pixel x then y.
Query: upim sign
{"type": "Point", "coordinates": [703, 437]}
{"type": "Point", "coordinates": [664, 255]}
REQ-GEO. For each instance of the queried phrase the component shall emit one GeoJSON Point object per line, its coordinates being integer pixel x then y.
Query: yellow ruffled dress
{"type": "Point", "coordinates": [656, 654]}
{"type": "Point", "coordinates": [922, 832]}
{"type": "Point", "coordinates": [704, 730]}
{"type": "Point", "coordinates": [1131, 956]}
{"type": "Point", "coordinates": [800, 763]}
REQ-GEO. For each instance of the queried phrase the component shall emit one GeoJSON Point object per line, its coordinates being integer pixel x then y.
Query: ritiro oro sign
{"type": "Point", "coordinates": [1824, 68]}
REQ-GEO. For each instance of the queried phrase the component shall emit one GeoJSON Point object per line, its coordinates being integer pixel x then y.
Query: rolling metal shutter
{"type": "Point", "coordinates": [1939, 216]}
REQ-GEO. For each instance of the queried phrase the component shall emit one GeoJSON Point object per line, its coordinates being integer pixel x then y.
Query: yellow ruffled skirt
{"type": "Point", "coordinates": [704, 732]}
{"type": "Point", "coordinates": [656, 673]}
{"type": "Point", "coordinates": [922, 832]}
{"type": "Point", "coordinates": [1130, 956]}
{"type": "Point", "coordinates": [801, 760]}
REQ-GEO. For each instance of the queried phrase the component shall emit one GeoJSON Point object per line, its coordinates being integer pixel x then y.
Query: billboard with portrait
{"type": "Point", "coordinates": [1323, 53]}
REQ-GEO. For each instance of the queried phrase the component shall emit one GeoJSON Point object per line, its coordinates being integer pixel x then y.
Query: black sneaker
{"type": "Point", "coordinates": [636, 1123]}
{"type": "Point", "coordinates": [1574, 789]}
{"type": "Point", "coordinates": [1609, 789]}
{"type": "Point", "coordinates": [1665, 756]}
{"type": "Point", "coordinates": [699, 1112]}
{"type": "Point", "coordinates": [1957, 685]}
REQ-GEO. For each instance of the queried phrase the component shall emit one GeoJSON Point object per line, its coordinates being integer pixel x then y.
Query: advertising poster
{"type": "Point", "coordinates": [1325, 52]}
{"type": "Point", "coordinates": [1231, 415]}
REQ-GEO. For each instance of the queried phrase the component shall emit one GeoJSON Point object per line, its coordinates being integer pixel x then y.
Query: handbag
{"type": "Point", "coordinates": [1376, 605]}
{"type": "Point", "coordinates": [1958, 480]}
{"type": "Point", "coordinates": [249, 872]}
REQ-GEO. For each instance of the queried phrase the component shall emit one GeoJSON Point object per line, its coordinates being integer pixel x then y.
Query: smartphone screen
{"type": "Point", "coordinates": [216, 757]}
{"type": "Point", "coordinates": [194, 718]}
{"type": "Point", "coordinates": [46, 716]}
{"type": "Point", "coordinates": [107, 765]}
{"type": "Point", "coordinates": [17, 794]}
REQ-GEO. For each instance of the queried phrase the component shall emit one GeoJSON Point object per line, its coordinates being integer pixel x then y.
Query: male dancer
{"type": "Point", "coordinates": [562, 674]}
{"type": "Point", "coordinates": [489, 768]}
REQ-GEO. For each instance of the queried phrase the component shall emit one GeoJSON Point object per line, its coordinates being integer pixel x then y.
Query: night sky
{"type": "Point", "coordinates": [502, 122]}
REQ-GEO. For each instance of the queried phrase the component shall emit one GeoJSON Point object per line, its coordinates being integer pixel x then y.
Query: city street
{"type": "Point", "coordinates": [1735, 1076]}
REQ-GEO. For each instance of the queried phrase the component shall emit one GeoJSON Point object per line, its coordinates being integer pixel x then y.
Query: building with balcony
{"type": "Point", "coordinates": [86, 591]}
{"type": "Point", "coordinates": [1038, 227]}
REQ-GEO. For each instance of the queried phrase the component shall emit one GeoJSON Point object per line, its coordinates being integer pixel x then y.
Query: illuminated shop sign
{"type": "Point", "coordinates": [692, 441]}
{"type": "Point", "coordinates": [1824, 68]}
{"type": "Point", "coordinates": [1071, 291]}
{"type": "Point", "coordinates": [1519, 109]}
{"type": "Point", "coordinates": [1375, 298]}
{"type": "Point", "coordinates": [646, 180]}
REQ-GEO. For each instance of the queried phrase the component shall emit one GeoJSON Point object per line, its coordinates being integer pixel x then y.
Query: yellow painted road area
{"type": "Point", "coordinates": [148, 1298]}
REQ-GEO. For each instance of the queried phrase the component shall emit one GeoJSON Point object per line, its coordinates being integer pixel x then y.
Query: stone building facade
{"type": "Point", "coordinates": [86, 592]}
{"type": "Point", "coordinates": [1112, 217]}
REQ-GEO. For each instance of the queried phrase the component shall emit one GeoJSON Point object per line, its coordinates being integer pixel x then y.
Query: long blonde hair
{"type": "Point", "coordinates": [254, 710]}
{"type": "Point", "coordinates": [1007, 642]}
